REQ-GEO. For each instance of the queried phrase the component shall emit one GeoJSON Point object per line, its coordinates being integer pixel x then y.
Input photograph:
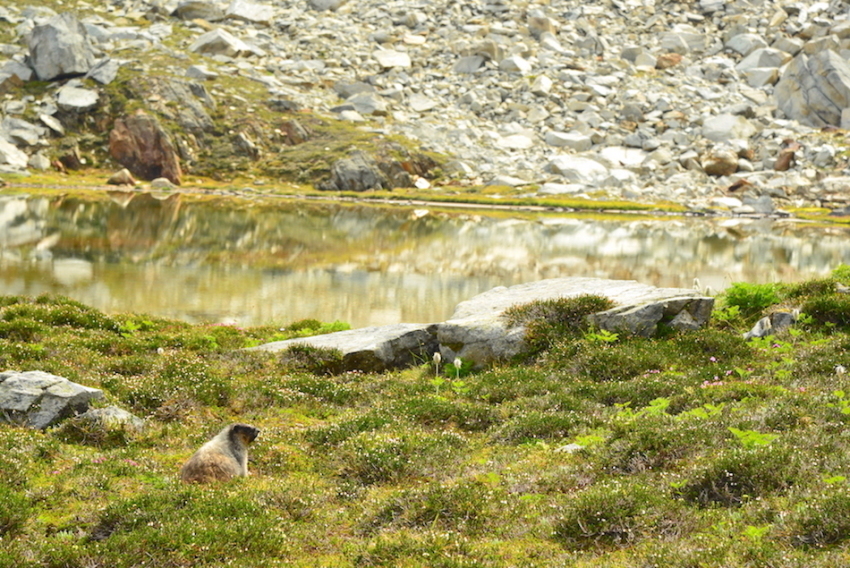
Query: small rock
{"type": "Point", "coordinates": [201, 72]}
{"type": "Point", "coordinates": [162, 183]}
{"type": "Point", "coordinates": [421, 103]}
{"type": "Point", "coordinates": [197, 10]}
{"type": "Point", "coordinates": [575, 140]}
{"type": "Point", "coordinates": [720, 162]}
{"type": "Point", "coordinates": [725, 127]}
{"type": "Point", "coordinates": [469, 64]}
{"type": "Point", "coordinates": [515, 64]}
{"type": "Point", "coordinates": [76, 99]}
{"type": "Point", "coordinates": [667, 60]}
{"type": "Point", "coordinates": [250, 12]}
{"type": "Point", "coordinates": [578, 169]}
{"type": "Point", "coordinates": [389, 59]}
{"type": "Point", "coordinates": [122, 177]}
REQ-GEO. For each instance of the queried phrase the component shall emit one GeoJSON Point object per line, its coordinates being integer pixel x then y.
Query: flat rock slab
{"type": "Point", "coordinates": [372, 349]}
{"type": "Point", "coordinates": [477, 330]}
{"type": "Point", "coordinates": [37, 399]}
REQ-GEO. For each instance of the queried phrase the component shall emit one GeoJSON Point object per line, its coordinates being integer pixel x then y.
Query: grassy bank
{"type": "Point", "coordinates": [693, 449]}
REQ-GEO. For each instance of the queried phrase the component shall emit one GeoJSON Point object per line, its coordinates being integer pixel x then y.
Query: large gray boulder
{"type": "Point", "coordinates": [814, 89]}
{"type": "Point", "coordinates": [60, 48]}
{"type": "Point", "coordinates": [37, 399]}
{"type": "Point", "coordinates": [372, 349]}
{"type": "Point", "coordinates": [478, 330]}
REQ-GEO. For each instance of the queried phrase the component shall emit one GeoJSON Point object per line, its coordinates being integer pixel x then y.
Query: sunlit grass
{"type": "Point", "coordinates": [698, 449]}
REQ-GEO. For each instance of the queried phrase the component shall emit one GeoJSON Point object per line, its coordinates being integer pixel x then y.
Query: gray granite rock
{"type": "Point", "coordinates": [60, 48]}
{"type": "Point", "coordinates": [37, 399]}
{"type": "Point", "coordinates": [76, 99]}
{"type": "Point", "coordinates": [373, 349]}
{"type": "Point", "coordinates": [815, 89]}
{"type": "Point", "coordinates": [477, 330]}
{"type": "Point", "coordinates": [222, 42]}
{"type": "Point", "coordinates": [11, 156]}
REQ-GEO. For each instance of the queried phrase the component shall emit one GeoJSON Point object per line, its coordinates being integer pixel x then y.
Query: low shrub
{"type": "Point", "coordinates": [22, 330]}
{"type": "Point", "coordinates": [697, 348]}
{"type": "Point", "coordinates": [751, 299]}
{"type": "Point", "coordinates": [338, 432]}
{"type": "Point", "coordinates": [829, 311]}
{"type": "Point", "coordinates": [618, 362]}
{"type": "Point", "coordinates": [539, 425]}
{"type": "Point", "coordinates": [656, 442]}
{"type": "Point", "coordinates": [549, 321]}
{"type": "Point", "coordinates": [842, 273]}
{"type": "Point", "coordinates": [615, 514]}
{"type": "Point", "coordinates": [409, 549]}
{"type": "Point", "coordinates": [821, 520]}
{"type": "Point", "coordinates": [59, 311]}
{"type": "Point", "coordinates": [186, 526]}
{"type": "Point", "coordinates": [500, 385]}
{"type": "Point", "coordinates": [463, 506]}
{"type": "Point", "coordinates": [738, 475]}
{"type": "Point", "coordinates": [79, 430]}
{"type": "Point", "coordinates": [325, 389]}
{"type": "Point", "coordinates": [389, 456]}
{"type": "Point", "coordinates": [823, 286]}
{"type": "Point", "coordinates": [432, 410]}
{"type": "Point", "coordinates": [308, 359]}
{"type": "Point", "coordinates": [14, 511]}
{"type": "Point", "coordinates": [177, 378]}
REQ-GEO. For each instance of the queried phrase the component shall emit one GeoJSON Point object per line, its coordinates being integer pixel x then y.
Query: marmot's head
{"type": "Point", "coordinates": [243, 433]}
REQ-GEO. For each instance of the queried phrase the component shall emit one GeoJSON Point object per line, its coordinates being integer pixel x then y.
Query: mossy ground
{"type": "Point", "coordinates": [696, 449]}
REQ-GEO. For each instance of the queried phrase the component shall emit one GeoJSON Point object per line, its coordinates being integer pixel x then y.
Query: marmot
{"type": "Point", "coordinates": [222, 458]}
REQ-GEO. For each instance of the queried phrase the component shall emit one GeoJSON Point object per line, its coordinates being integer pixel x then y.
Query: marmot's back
{"type": "Point", "coordinates": [222, 458]}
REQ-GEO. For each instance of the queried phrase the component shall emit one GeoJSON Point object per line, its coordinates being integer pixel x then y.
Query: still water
{"type": "Point", "coordinates": [252, 263]}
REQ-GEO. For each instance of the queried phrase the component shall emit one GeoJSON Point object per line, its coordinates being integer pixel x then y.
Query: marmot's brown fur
{"type": "Point", "coordinates": [222, 458]}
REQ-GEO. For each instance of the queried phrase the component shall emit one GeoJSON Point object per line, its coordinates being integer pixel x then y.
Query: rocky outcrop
{"type": "Point", "coordinates": [360, 172]}
{"type": "Point", "coordinates": [60, 48]}
{"type": "Point", "coordinates": [479, 332]}
{"type": "Point", "coordinates": [815, 89]}
{"type": "Point", "coordinates": [372, 349]}
{"type": "Point", "coordinates": [37, 399]}
{"type": "Point", "coordinates": [140, 144]}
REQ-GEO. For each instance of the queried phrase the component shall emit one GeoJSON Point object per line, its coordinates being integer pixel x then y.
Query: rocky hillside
{"type": "Point", "coordinates": [719, 105]}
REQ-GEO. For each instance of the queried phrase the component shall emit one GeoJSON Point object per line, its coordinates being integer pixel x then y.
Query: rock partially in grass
{"type": "Point", "coordinates": [372, 349]}
{"type": "Point", "coordinates": [478, 330]}
{"type": "Point", "coordinates": [38, 399]}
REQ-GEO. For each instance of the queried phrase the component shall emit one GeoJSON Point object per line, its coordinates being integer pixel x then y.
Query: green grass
{"type": "Point", "coordinates": [694, 449]}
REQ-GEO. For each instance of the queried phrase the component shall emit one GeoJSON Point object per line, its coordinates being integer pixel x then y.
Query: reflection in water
{"type": "Point", "coordinates": [256, 263]}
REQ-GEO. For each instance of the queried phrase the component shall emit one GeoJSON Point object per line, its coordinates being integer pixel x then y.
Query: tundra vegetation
{"type": "Point", "coordinates": [593, 449]}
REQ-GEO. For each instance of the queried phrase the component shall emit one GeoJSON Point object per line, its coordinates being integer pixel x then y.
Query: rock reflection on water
{"type": "Point", "coordinates": [254, 263]}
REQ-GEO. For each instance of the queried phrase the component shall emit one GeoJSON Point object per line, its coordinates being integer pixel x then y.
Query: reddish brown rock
{"type": "Point", "coordinates": [667, 60]}
{"type": "Point", "coordinates": [720, 162]}
{"type": "Point", "coordinates": [140, 144]}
